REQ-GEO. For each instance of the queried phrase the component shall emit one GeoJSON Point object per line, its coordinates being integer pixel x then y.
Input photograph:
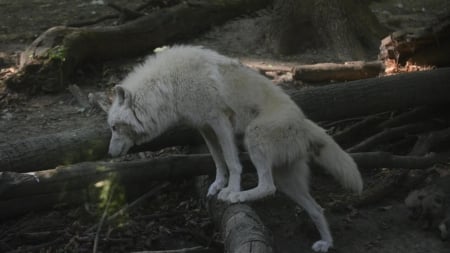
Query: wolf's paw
{"type": "Point", "coordinates": [224, 193]}
{"type": "Point", "coordinates": [236, 197]}
{"type": "Point", "coordinates": [215, 187]}
{"type": "Point", "coordinates": [232, 196]}
{"type": "Point", "coordinates": [321, 246]}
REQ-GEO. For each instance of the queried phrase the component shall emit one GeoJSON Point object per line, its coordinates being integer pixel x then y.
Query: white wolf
{"type": "Point", "coordinates": [220, 97]}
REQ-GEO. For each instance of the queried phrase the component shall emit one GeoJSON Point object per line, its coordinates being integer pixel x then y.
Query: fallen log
{"type": "Point", "coordinates": [243, 231]}
{"type": "Point", "coordinates": [20, 193]}
{"type": "Point", "coordinates": [49, 62]}
{"type": "Point", "coordinates": [84, 144]}
{"type": "Point", "coordinates": [373, 95]}
{"type": "Point", "coordinates": [349, 71]}
{"type": "Point", "coordinates": [241, 228]}
{"type": "Point", "coordinates": [48, 151]}
{"type": "Point", "coordinates": [330, 102]}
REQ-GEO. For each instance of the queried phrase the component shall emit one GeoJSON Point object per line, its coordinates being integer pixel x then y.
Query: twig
{"type": "Point", "coordinates": [42, 235]}
{"type": "Point", "coordinates": [37, 247]}
{"type": "Point", "coordinates": [324, 72]}
{"type": "Point", "coordinates": [201, 238]}
{"type": "Point", "coordinates": [401, 145]}
{"type": "Point", "coordinates": [155, 3]}
{"type": "Point", "coordinates": [413, 115]}
{"type": "Point", "coordinates": [365, 126]}
{"type": "Point", "coordinates": [125, 13]}
{"type": "Point", "coordinates": [132, 204]}
{"type": "Point", "coordinates": [92, 22]}
{"type": "Point", "coordinates": [102, 220]}
{"type": "Point", "coordinates": [197, 249]}
{"type": "Point", "coordinates": [120, 212]}
{"type": "Point", "coordinates": [262, 68]}
{"type": "Point", "coordinates": [374, 193]}
{"type": "Point", "coordinates": [165, 214]}
{"type": "Point", "coordinates": [386, 135]}
{"type": "Point", "coordinates": [329, 124]}
{"type": "Point", "coordinates": [387, 160]}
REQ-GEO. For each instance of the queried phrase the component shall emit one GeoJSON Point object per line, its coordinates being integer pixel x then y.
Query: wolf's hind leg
{"type": "Point", "coordinates": [217, 155]}
{"type": "Point", "coordinates": [265, 187]}
{"type": "Point", "coordinates": [293, 181]}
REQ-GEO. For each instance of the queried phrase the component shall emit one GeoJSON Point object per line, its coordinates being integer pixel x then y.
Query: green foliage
{"type": "Point", "coordinates": [57, 53]}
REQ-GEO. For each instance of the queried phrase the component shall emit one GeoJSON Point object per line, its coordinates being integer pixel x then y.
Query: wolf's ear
{"type": "Point", "coordinates": [123, 95]}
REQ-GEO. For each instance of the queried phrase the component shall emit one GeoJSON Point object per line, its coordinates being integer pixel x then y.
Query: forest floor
{"type": "Point", "coordinates": [175, 217]}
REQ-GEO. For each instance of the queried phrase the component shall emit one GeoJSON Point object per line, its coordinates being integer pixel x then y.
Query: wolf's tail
{"type": "Point", "coordinates": [336, 161]}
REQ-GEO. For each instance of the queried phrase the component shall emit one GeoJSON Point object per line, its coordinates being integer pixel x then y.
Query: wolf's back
{"type": "Point", "coordinates": [335, 160]}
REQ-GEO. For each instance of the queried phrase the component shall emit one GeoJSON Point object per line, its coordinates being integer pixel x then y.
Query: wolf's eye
{"type": "Point", "coordinates": [113, 127]}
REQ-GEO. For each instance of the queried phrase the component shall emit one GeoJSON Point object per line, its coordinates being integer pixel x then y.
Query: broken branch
{"type": "Point", "coordinates": [349, 71]}
{"type": "Point", "coordinates": [386, 135]}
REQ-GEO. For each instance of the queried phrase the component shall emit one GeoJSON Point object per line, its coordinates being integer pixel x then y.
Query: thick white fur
{"type": "Point", "coordinates": [221, 98]}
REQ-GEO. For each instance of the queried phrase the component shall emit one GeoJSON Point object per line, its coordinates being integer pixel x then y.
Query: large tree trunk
{"type": "Point", "coordinates": [51, 59]}
{"type": "Point", "coordinates": [348, 27]}
{"type": "Point", "coordinates": [331, 102]}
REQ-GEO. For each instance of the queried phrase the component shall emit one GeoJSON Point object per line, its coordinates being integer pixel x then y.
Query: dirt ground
{"type": "Point", "coordinates": [175, 218]}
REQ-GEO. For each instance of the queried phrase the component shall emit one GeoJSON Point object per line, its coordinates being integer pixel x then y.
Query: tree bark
{"type": "Point", "coordinates": [331, 102]}
{"type": "Point", "coordinates": [347, 27]}
{"type": "Point", "coordinates": [50, 60]}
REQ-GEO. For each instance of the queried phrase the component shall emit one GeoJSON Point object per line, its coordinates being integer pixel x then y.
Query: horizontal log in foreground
{"type": "Point", "coordinates": [22, 192]}
{"type": "Point", "coordinates": [331, 102]}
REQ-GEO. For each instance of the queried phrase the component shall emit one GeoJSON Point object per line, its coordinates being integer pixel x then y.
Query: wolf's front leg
{"type": "Point", "coordinates": [217, 155]}
{"type": "Point", "coordinates": [225, 136]}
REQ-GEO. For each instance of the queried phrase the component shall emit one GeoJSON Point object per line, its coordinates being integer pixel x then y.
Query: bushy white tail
{"type": "Point", "coordinates": [335, 160]}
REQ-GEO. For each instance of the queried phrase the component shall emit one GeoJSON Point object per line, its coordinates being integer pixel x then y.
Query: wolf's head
{"type": "Point", "coordinates": [126, 127]}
